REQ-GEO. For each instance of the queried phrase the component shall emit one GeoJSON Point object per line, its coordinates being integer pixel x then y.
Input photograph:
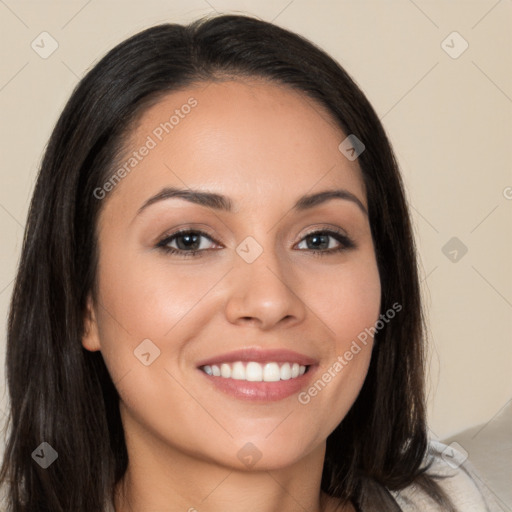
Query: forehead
{"type": "Point", "coordinates": [255, 141]}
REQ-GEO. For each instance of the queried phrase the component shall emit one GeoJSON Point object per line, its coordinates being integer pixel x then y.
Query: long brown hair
{"type": "Point", "coordinates": [62, 394]}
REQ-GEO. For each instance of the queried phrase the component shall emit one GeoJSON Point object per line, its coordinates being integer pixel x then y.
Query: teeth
{"type": "Point", "coordinates": [256, 372]}
{"type": "Point", "coordinates": [225, 370]}
{"type": "Point", "coordinates": [238, 371]}
{"type": "Point", "coordinates": [286, 371]}
{"type": "Point", "coordinates": [271, 372]}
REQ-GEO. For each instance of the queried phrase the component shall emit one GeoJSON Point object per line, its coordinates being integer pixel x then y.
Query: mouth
{"type": "Point", "coordinates": [253, 371]}
{"type": "Point", "coordinates": [260, 375]}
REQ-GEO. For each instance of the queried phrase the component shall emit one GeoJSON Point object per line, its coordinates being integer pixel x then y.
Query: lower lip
{"type": "Point", "coordinates": [260, 391]}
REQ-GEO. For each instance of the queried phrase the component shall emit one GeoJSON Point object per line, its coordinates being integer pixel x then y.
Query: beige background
{"type": "Point", "coordinates": [449, 119]}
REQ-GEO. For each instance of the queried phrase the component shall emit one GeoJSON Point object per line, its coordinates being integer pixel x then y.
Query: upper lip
{"type": "Point", "coordinates": [260, 356]}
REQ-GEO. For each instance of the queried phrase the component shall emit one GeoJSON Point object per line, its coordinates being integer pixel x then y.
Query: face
{"type": "Point", "coordinates": [271, 293]}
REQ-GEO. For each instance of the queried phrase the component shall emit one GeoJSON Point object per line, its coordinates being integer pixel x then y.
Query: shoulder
{"type": "Point", "coordinates": [455, 474]}
{"type": "Point", "coordinates": [109, 506]}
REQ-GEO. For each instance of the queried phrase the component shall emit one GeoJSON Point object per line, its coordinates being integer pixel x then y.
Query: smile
{"type": "Point", "coordinates": [257, 374]}
{"type": "Point", "coordinates": [253, 371]}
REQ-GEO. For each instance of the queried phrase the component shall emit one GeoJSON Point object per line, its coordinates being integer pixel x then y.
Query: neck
{"type": "Point", "coordinates": [160, 477]}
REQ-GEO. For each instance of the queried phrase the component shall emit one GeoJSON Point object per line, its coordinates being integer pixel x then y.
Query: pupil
{"type": "Point", "coordinates": [315, 238]}
{"type": "Point", "coordinates": [190, 239]}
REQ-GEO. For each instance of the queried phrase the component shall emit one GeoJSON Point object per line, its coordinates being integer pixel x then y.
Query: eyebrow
{"type": "Point", "coordinates": [223, 203]}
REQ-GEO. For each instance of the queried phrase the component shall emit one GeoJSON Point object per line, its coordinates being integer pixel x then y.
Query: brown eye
{"type": "Point", "coordinates": [320, 242]}
{"type": "Point", "coordinates": [188, 243]}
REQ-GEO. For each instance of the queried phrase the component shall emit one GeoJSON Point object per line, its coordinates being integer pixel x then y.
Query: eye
{"type": "Point", "coordinates": [188, 243]}
{"type": "Point", "coordinates": [319, 242]}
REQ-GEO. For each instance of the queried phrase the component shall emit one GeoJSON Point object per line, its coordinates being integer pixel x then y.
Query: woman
{"type": "Point", "coordinates": [217, 305]}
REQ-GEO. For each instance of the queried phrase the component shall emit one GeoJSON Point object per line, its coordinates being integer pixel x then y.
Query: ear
{"type": "Point", "coordinates": [90, 339]}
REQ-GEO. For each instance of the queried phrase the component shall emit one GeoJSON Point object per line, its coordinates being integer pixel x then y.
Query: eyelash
{"type": "Point", "coordinates": [344, 240]}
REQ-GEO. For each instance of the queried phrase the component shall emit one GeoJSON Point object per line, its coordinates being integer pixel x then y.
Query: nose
{"type": "Point", "coordinates": [264, 293]}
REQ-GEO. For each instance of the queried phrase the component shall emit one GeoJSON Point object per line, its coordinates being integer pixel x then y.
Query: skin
{"type": "Point", "coordinates": [263, 145]}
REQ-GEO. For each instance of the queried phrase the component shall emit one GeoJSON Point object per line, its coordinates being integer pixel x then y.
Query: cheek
{"type": "Point", "coordinates": [349, 306]}
{"type": "Point", "coordinates": [348, 300]}
{"type": "Point", "coordinates": [147, 297]}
